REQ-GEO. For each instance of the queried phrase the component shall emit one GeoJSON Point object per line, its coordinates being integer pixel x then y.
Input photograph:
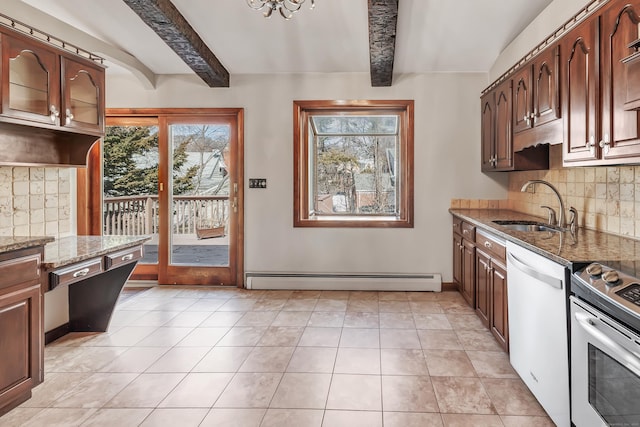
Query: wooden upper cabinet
{"type": "Point", "coordinates": [580, 92]}
{"type": "Point", "coordinates": [546, 87]}
{"type": "Point", "coordinates": [620, 135]}
{"type": "Point", "coordinates": [503, 154]}
{"type": "Point", "coordinates": [83, 96]}
{"type": "Point", "coordinates": [30, 81]}
{"type": "Point", "coordinates": [522, 99]}
{"type": "Point", "coordinates": [487, 105]}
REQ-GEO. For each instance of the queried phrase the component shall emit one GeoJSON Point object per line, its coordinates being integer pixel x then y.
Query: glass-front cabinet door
{"type": "Point", "coordinates": [30, 81]}
{"type": "Point", "coordinates": [83, 96]}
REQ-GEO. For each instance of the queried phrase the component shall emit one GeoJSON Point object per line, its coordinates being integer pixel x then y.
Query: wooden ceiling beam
{"type": "Point", "coordinates": [383, 19]}
{"type": "Point", "coordinates": [168, 23]}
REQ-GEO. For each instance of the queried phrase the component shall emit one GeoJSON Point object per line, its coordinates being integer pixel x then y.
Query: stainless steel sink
{"type": "Point", "coordinates": [526, 226]}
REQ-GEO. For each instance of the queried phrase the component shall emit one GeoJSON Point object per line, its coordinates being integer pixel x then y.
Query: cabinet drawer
{"type": "Point", "coordinates": [19, 270]}
{"type": "Point", "coordinates": [123, 257]}
{"type": "Point", "coordinates": [457, 225]}
{"type": "Point", "coordinates": [468, 231]}
{"type": "Point", "coordinates": [494, 247]}
{"type": "Point", "coordinates": [75, 272]}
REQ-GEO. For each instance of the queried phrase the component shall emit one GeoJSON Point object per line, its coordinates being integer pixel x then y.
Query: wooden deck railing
{"type": "Point", "coordinates": [136, 215]}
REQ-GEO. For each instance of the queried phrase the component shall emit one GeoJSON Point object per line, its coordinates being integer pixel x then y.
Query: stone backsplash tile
{"type": "Point", "coordinates": [35, 201]}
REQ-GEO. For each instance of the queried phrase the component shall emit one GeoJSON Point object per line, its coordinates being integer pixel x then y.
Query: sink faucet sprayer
{"type": "Point", "coordinates": [560, 223]}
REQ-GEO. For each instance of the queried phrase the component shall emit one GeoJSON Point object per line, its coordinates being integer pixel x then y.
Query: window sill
{"type": "Point", "coordinates": [344, 221]}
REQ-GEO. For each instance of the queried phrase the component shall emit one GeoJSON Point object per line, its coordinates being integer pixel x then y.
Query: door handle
{"type": "Point", "coordinates": [549, 280]}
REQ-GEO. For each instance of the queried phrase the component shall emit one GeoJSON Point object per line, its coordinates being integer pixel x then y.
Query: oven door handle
{"type": "Point", "coordinates": [626, 357]}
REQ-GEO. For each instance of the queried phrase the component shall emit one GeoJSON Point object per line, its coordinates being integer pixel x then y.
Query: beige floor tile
{"type": "Point", "coordinates": [336, 418]}
{"type": "Point", "coordinates": [462, 396]}
{"type": "Point", "coordinates": [361, 320]}
{"type": "Point", "coordinates": [300, 305]}
{"type": "Point", "coordinates": [302, 391]}
{"type": "Point", "coordinates": [146, 391]}
{"type": "Point", "coordinates": [121, 417]}
{"type": "Point", "coordinates": [403, 362]}
{"type": "Point", "coordinates": [126, 336]}
{"type": "Point", "coordinates": [197, 390]}
{"type": "Point", "coordinates": [394, 307]}
{"type": "Point", "coordinates": [358, 361]}
{"type": "Point", "coordinates": [190, 417]}
{"type": "Point", "coordinates": [449, 363]}
{"type": "Point", "coordinates": [223, 359]}
{"type": "Point", "coordinates": [355, 392]}
{"type": "Point", "coordinates": [292, 318]}
{"type": "Point", "coordinates": [135, 359]}
{"type": "Point", "coordinates": [59, 417]}
{"type": "Point", "coordinates": [269, 305]}
{"type": "Point", "coordinates": [399, 338]}
{"type": "Point", "coordinates": [396, 320]}
{"type": "Point", "coordinates": [320, 337]}
{"type": "Point", "coordinates": [432, 321]}
{"type": "Point", "coordinates": [154, 318]}
{"type": "Point", "coordinates": [339, 295]}
{"type": "Point", "coordinates": [425, 307]}
{"type": "Point", "coordinates": [245, 304]}
{"type": "Point", "coordinates": [363, 295]}
{"type": "Point", "coordinates": [313, 360]}
{"type": "Point", "coordinates": [188, 319]}
{"type": "Point", "coordinates": [203, 337]}
{"type": "Point", "coordinates": [222, 318]}
{"type": "Point", "coordinates": [282, 294]}
{"type": "Point", "coordinates": [408, 393]}
{"type": "Point", "coordinates": [285, 336]}
{"type": "Point", "coordinates": [412, 419]}
{"type": "Point", "coordinates": [125, 317]}
{"type": "Point", "coordinates": [19, 416]}
{"type": "Point", "coordinates": [360, 338]}
{"type": "Point", "coordinates": [267, 359]}
{"type": "Point", "coordinates": [249, 390]}
{"type": "Point", "coordinates": [326, 319]}
{"type": "Point", "coordinates": [302, 294]}
{"type": "Point", "coordinates": [165, 337]}
{"type": "Point", "coordinates": [456, 307]}
{"type": "Point", "coordinates": [439, 340]}
{"type": "Point", "coordinates": [292, 418]}
{"type": "Point", "coordinates": [242, 336]}
{"type": "Point", "coordinates": [337, 305]}
{"type": "Point", "coordinates": [422, 296]}
{"type": "Point", "coordinates": [79, 359]}
{"type": "Point", "coordinates": [95, 391]}
{"type": "Point", "coordinates": [467, 420]}
{"type": "Point", "coordinates": [55, 385]}
{"type": "Point", "coordinates": [392, 296]}
{"type": "Point", "coordinates": [220, 417]}
{"type": "Point", "coordinates": [492, 364]}
{"type": "Point", "coordinates": [512, 397]}
{"type": "Point", "coordinates": [466, 321]}
{"type": "Point", "coordinates": [478, 340]}
{"type": "Point", "coordinates": [526, 421]}
{"type": "Point", "coordinates": [257, 318]}
{"type": "Point", "coordinates": [209, 305]}
{"type": "Point", "coordinates": [362, 306]}
{"type": "Point", "coordinates": [179, 359]}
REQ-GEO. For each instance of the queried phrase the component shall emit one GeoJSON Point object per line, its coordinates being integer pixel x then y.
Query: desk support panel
{"type": "Point", "coordinates": [92, 301]}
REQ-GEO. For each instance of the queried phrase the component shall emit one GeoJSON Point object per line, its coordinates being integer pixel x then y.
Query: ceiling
{"type": "Point", "coordinates": [432, 35]}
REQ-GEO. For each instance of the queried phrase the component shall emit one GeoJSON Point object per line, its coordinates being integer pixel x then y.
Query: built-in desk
{"type": "Point", "coordinates": [95, 268]}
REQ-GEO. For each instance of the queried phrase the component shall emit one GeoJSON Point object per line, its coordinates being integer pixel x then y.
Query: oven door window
{"type": "Point", "coordinates": [614, 391]}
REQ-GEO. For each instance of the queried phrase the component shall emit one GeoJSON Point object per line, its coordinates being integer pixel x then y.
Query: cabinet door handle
{"type": "Point", "coordinates": [605, 144]}
{"type": "Point", "coordinates": [487, 245]}
{"type": "Point", "coordinates": [127, 257]}
{"type": "Point", "coordinates": [54, 113]}
{"type": "Point", "coordinates": [592, 145]}
{"type": "Point", "coordinates": [81, 273]}
{"type": "Point", "coordinates": [68, 116]}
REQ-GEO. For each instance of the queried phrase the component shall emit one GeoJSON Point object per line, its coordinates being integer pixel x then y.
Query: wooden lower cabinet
{"type": "Point", "coordinates": [467, 288]}
{"type": "Point", "coordinates": [498, 318]}
{"type": "Point", "coordinates": [21, 336]}
{"type": "Point", "coordinates": [483, 286]}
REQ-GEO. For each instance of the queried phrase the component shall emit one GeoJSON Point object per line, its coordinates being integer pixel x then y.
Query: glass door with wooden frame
{"type": "Point", "coordinates": [176, 178]}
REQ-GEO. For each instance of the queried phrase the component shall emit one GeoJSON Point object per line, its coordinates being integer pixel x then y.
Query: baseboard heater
{"type": "Point", "coordinates": [345, 282]}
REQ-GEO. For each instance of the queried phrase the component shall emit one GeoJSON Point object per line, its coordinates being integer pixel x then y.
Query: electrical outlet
{"type": "Point", "coordinates": [257, 183]}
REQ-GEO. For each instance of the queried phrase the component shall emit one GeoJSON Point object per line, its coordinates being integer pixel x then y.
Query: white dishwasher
{"type": "Point", "coordinates": [538, 339]}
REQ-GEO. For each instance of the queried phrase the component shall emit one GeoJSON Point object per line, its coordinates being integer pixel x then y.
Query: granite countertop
{"type": "Point", "coordinates": [69, 250]}
{"type": "Point", "coordinates": [561, 247]}
{"type": "Point", "coordinates": [8, 244]}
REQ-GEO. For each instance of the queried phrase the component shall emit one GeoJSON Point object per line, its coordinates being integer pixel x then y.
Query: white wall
{"type": "Point", "coordinates": [549, 20]}
{"type": "Point", "coordinates": [447, 163]}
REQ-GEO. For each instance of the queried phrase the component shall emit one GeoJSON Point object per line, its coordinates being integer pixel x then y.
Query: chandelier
{"type": "Point", "coordinates": [286, 7]}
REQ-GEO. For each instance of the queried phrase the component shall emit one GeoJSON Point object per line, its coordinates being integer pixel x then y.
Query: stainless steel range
{"type": "Point", "coordinates": [605, 345]}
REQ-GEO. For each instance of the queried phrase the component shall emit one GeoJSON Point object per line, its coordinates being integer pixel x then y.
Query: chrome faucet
{"type": "Point", "coordinates": [561, 223]}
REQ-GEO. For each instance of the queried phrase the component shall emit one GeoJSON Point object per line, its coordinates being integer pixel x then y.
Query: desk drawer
{"type": "Point", "coordinates": [75, 273]}
{"type": "Point", "coordinates": [19, 270]}
{"type": "Point", "coordinates": [123, 257]}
